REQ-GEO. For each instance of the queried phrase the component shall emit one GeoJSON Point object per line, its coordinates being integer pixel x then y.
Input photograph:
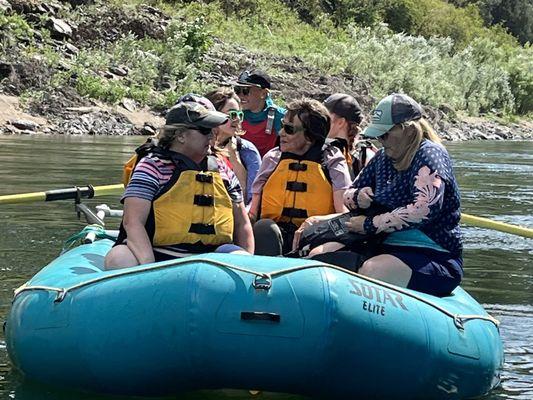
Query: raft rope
{"type": "Point", "coordinates": [77, 238]}
{"type": "Point", "coordinates": [459, 320]}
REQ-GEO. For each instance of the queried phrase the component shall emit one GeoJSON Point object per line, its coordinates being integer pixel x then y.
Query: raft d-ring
{"type": "Point", "coordinates": [262, 282]}
{"type": "Point", "coordinates": [60, 296]}
{"type": "Point", "coordinates": [459, 322]}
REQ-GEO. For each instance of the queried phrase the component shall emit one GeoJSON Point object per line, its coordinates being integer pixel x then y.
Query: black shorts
{"type": "Point", "coordinates": [433, 272]}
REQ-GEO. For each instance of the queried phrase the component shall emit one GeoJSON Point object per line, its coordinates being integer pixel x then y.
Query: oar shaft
{"type": "Point", "coordinates": [63, 194]}
{"type": "Point", "coordinates": [108, 190]}
{"type": "Point", "coordinates": [480, 222]}
{"type": "Point", "coordinates": [22, 198]}
{"type": "Point", "coordinates": [89, 192]}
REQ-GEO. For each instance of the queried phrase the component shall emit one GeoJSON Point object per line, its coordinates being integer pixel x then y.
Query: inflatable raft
{"type": "Point", "coordinates": [250, 322]}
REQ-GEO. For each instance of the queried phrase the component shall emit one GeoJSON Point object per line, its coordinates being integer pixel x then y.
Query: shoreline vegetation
{"type": "Point", "coordinates": [114, 67]}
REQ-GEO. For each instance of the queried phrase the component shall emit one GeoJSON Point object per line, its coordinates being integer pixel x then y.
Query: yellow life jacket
{"type": "Point", "coordinates": [140, 152]}
{"type": "Point", "coordinates": [298, 188]}
{"type": "Point", "coordinates": [193, 210]}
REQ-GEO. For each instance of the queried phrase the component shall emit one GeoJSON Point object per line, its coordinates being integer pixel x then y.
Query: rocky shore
{"type": "Point", "coordinates": [64, 111]}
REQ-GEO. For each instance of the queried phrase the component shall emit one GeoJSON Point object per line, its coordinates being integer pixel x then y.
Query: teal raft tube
{"type": "Point", "coordinates": [248, 322]}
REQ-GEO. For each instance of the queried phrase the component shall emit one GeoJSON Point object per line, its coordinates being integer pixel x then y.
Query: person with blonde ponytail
{"type": "Point", "coordinates": [412, 177]}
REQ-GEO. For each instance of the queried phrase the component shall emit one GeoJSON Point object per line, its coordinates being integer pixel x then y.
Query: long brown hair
{"type": "Point", "coordinates": [418, 131]}
{"type": "Point", "coordinates": [219, 97]}
{"type": "Point", "coordinates": [314, 116]}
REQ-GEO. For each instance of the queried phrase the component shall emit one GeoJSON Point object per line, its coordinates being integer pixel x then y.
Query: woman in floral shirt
{"type": "Point", "coordinates": [412, 176]}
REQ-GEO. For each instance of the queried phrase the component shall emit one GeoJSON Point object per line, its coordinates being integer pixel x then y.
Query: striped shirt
{"type": "Point", "coordinates": [153, 172]}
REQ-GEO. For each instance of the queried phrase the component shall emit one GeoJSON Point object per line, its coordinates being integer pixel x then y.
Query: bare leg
{"type": "Point", "coordinates": [387, 268]}
{"type": "Point", "coordinates": [120, 257]}
{"type": "Point", "coordinates": [326, 248]}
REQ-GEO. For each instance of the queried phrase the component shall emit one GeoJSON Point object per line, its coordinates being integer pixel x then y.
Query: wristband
{"type": "Point", "coordinates": [368, 226]}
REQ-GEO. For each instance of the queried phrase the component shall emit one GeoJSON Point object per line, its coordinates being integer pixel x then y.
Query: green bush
{"type": "Point", "coordinates": [440, 54]}
{"type": "Point", "coordinates": [13, 30]}
{"type": "Point", "coordinates": [149, 62]}
{"type": "Point", "coordinates": [514, 15]}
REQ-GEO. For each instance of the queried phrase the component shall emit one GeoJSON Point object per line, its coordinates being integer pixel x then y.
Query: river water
{"type": "Point", "coordinates": [495, 181]}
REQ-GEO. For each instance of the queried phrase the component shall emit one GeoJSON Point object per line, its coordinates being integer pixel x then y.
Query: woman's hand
{"type": "Point", "coordinates": [349, 199]}
{"type": "Point", "coordinates": [307, 224]}
{"type": "Point", "coordinates": [365, 196]}
{"type": "Point", "coordinates": [356, 224]}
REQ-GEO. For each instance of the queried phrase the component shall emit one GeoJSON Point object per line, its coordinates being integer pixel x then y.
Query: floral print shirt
{"type": "Point", "coordinates": [424, 197]}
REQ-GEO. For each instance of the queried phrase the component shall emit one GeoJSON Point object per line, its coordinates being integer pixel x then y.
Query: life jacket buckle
{"type": "Point", "coordinates": [295, 166]}
{"type": "Point", "coordinates": [203, 200]}
{"type": "Point", "coordinates": [295, 186]}
{"type": "Point", "coordinates": [204, 178]}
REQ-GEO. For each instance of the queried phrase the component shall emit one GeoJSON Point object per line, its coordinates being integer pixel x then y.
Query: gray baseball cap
{"type": "Point", "coordinates": [196, 98]}
{"type": "Point", "coordinates": [344, 106]}
{"type": "Point", "coordinates": [393, 109]}
{"type": "Point", "coordinates": [194, 115]}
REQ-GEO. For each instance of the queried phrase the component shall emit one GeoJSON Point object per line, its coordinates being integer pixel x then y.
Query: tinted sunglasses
{"type": "Point", "coordinates": [236, 115]}
{"type": "Point", "coordinates": [290, 129]}
{"type": "Point", "coordinates": [245, 91]}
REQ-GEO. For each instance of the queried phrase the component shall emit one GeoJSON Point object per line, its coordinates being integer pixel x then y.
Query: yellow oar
{"type": "Point", "coordinates": [90, 191]}
{"type": "Point", "coordinates": [63, 194]}
{"type": "Point", "coordinates": [480, 222]}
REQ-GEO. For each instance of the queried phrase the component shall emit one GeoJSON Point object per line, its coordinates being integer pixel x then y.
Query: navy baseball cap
{"type": "Point", "coordinates": [393, 109]}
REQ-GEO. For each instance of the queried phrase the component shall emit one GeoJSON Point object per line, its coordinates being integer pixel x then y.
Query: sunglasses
{"type": "Point", "coordinates": [290, 129]}
{"type": "Point", "coordinates": [235, 115]}
{"type": "Point", "coordinates": [240, 90]}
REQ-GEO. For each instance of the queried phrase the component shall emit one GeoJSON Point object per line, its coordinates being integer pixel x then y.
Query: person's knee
{"type": "Point", "coordinates": [231, 248]}
{"type": "Point", "coordinates": [268, 238]}
{"type": "Point", "coordinates": [120, 257]}
{"type": "Point", "coordinates": [265, 225]}
{"type": "Point", "coordinates": [370, 267]}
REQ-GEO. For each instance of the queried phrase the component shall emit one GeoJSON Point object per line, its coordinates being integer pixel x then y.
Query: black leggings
{"type": "Point", "coordinates": [273, 239]}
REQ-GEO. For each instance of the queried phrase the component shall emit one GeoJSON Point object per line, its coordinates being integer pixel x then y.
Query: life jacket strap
{"type": "Point", "coordinates": [204, 178]}
{"type": "Point", "coordinates": [204, 200]}
{"type": "Point", "coordinates": [202, 229]}
{"type": "Point", "coordinates": [295, 186]}
{"type": "Point", "coordinates": [297, 166]}
{"type": "Point", "coordinates": [270, 120]}
{"type": "Point", "coordinates": [291, 212]}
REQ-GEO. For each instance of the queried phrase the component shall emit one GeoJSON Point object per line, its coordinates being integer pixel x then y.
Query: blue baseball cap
{"type": "Point", "coordinates": [393, 109]}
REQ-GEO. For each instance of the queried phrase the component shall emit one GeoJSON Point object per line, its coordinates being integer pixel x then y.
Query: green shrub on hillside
{"type": "Point", "coordinates": [514, 15]}
{"type": "Point", "coordinates": [150, 63]}
{"type": "Point", "coordinates": [13, 30]}
{"type": "Point", "coordinates": [517, 62]}
{"type": "Point", "coordinates": [428, 69]}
